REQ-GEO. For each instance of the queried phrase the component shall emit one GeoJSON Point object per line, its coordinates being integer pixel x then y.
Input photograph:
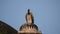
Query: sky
{"type": "Point", "coordinates": [46, 14]}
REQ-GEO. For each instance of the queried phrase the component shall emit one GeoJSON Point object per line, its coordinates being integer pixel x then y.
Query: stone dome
{"type": "Point", "coordinates": [26, 26]}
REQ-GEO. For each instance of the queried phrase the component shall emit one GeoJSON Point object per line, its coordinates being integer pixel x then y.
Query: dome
{"type": "Point", "coordinates": [26, 26]}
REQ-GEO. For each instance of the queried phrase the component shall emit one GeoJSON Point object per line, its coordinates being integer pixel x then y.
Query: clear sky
{"type": "Point", "coordinates": [46, 14]}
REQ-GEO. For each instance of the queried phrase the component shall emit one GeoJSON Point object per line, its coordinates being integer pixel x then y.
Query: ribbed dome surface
{"type": "Point", "coordinates": [26, 26]}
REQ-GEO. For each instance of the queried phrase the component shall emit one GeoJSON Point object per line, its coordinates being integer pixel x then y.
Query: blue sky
{"type": "Point", "coordinates": [46, 14]}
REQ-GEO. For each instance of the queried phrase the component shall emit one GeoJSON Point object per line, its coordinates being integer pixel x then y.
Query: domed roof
{"type": "Point", "coordinates": [26, 26]}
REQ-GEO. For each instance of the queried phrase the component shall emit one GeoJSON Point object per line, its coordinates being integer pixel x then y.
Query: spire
{"type": "Point", "coordinates": [29, 17]}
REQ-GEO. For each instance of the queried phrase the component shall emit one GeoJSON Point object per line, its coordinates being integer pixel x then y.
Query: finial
{"type": "Point", "coordinates": [29, 17]}
{"type": "Point", "coordinates": [28, 11]}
